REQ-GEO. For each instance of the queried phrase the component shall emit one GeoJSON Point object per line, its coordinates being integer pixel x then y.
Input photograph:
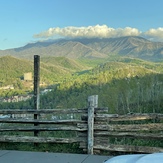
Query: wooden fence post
{"type": "Point", "coordinates": [36, 88]}
{"type": "Point", "coordinates": [93, 103]}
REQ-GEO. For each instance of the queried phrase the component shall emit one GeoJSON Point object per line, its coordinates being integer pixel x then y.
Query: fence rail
{"type": "Point", "coordinates": [94, 128]}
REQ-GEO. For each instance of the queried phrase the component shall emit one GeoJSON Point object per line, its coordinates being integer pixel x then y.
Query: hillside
{"type": "Point", "coordinates": [127, 85]}
{"type": "Point", "coordinates": [127, 46]}
{"type": "Point", "coordinates": [123, 87]}
{"type": "Point", "coordinates": [71, 64]}
{"type": "Point", "coordinates": [130, 46]}
{"type": "Point", "coordinates": [52, 70]}
{"type": "Point", "coordinates": [123, 84]}
{"type": "Point", "coordinates": [11, 67]}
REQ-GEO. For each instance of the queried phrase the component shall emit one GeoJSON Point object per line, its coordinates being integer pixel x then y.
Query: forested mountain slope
{"type": "Point", "coordinates": [131, 46]}
{"type": "Point", "coordinates": [51, 69]}
{"type": "Point", "coordinates": [124, 86]}
{"type": "Point", "coordinates": [127, 46]}
{"type": "Point", "coordinates": [68, 63]}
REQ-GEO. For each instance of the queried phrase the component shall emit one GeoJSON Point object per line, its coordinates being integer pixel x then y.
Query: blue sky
{"type": "Point", "coordinates": [26, 21]}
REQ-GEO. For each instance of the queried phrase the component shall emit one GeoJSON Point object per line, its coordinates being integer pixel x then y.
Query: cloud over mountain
{"type": "Point", "coordinates": [156, 34]}
{"type": "Point", "coordinates": [131, 46]}
{"type": "Point", "coordinates": [99, 31]}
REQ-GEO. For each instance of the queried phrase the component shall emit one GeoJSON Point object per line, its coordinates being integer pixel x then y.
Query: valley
{"type": "Point", "coordinates": [124, 84]}
{"type": "Point", "coordinates": [126, 73]}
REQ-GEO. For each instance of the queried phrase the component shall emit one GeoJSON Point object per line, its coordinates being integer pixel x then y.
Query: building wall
{"type": "Point", "coordinates": [28, 76]}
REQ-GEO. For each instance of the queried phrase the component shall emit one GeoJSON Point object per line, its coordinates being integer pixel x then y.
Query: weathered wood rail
{"type": "Point", "coordinates": [136, 126]}
{"type": "Point", "coordinates": [94, 128]}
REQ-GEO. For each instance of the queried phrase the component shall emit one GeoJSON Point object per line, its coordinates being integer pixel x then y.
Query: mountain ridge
{"type": "Point", "coordinates": [132, 46]}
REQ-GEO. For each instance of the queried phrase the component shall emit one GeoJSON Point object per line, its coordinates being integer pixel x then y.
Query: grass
{"type": "Point", "coordinates": [46, 147]}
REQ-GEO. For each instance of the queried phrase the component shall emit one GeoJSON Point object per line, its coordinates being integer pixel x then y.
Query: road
{"type": "Point", "coordinates": [9, 156]}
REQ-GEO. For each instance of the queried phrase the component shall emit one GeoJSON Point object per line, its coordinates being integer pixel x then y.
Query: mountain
{"type": "Point", "coordinates": [67, 63]}
{"type": "Point", "coordinates": [52, 69]}
{"type": "Point", "coordinates": [11, 67]}
{"type": "Point", "coordinates": [131, 46]}
{"type": "Point", "coordinates": [63, 48]}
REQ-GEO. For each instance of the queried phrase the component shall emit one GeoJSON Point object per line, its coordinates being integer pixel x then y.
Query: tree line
{"type": "Point", "coordinates": [120, 87]}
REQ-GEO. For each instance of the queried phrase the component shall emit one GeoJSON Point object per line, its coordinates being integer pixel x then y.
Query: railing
{"type": "Point", "coordinates": [53, 120]}
{"type": "Point", "coordinates": [93, 128]}
{"type": "Point", "coordinates": [125, 133]}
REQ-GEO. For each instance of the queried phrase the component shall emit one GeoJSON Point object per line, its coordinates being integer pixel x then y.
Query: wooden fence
{"type": "Point", "coordinates": [93, 128]}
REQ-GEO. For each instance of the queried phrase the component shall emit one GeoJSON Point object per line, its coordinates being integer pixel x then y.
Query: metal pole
{"type": "Point", "coordinates": [36, 88]}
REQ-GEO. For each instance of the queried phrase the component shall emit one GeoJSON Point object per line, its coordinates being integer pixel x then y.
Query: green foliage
{"type": "Point", "coordinates": [123, 85]}
{"type": "Point", "coordinates": [42, 147]}
{"type": "Point", "coordinates": [53, 70]}
{"type": "Point", "coordinates": [91, 62]}
{"type": "Point", "coordinates": [61, 148]}
{"type": "Point", "coordinates": [121, 88]}
{"type": "Point", "coordinates": [64, 62]}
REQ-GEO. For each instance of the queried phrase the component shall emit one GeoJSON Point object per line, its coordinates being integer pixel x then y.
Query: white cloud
{"type": "Point", "coordinates": [101, 31]}
{"type": "Point", "coordinates": [155, 34]}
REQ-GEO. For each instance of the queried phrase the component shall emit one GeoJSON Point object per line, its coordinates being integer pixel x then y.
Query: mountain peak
{"type": "Point", "coordinates": [133, 46]}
